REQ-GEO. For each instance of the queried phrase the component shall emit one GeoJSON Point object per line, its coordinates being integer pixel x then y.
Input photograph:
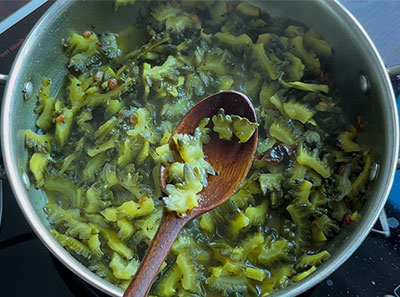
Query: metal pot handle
{"type": "Point", "coordinates": [3, 79]}
{"type": "Point", "coordinates": [394, 70]}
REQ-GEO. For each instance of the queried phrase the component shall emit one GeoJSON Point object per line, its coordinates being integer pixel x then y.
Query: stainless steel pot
{"type": "Point", "coordinates": [357, 69]}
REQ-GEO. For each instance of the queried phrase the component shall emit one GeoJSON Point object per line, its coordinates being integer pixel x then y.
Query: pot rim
{"type": "Point", "coordinates": [19, 188]}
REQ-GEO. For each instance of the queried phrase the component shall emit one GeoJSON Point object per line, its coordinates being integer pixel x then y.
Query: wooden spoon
{"type": "Point", "coordinates": [231, 159]}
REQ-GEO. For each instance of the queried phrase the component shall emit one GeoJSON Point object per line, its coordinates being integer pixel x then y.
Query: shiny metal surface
{"type": "Point", "coordinates": [3, 79]}
{"type": "Point", "coordinates": [41, 56]}
{"type": "Point", "coordinates": [394, 70]}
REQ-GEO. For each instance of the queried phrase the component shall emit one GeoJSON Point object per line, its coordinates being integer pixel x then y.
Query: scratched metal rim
{"type": "Point", "coordinates": [9, 144]}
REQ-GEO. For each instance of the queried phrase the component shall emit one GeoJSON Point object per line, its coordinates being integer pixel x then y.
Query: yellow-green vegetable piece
{"type": "Point", "coordinates": [131, 209]}
{"type": "Point", "coordinates": [278, 277]}
{"type": "Point", "coordinates": [320, 46]}
{"type": "Point", "coordinates": [308, 87]}
{"type": "Point", "coordinates": [101, 144]}
{"type": "Point", "coordinates": [302, 192]}
{"type": "Point", "coordinates": [256, 214]}
{"type": "Point", "coordinates": [95, 245]}
{"type": "Point", "coordinates": [248, 9]}
{"type": "Point", "coordinates": [67, 190]}
{"type": "Point", "coordinates": [255, 273]}
{"type": "Point", "coordinates": [237, 43]}
{"type": "Point", "coordinates": [283, 133]}
{"type": "Point", "coordinates": [71, 244]}
{"type": "Point", "coordinates": [268, 89]}
{"type": "Point", "coordinates": [64, 125]}
{"type": "Point", "coordinates": [309, 58]}
{"type": "Point", "coordinates": [243, 128]}
{"type": "Point", "coordinates": [268, 65]}
{"type": "Point", "coordinates": [294, 71]}
{"type": "Point", "coordinates": [304, 274]}
{"type": "Point", "coordinates": [77, 43]}
{"type": "Point", "coordinates": [277, 251]}
{"type": "Point", "coordinates": [228, 125]}
{"type": "Point", "coordinates": [239, 222]}
{"type": "Point", "coordinates": [222, 125]}
{"type": "Point", "coordinates": [40, 143]}
{"type": "Point", "coordinates": [207, 223]}
{"type": "Point", "coordinates": [185, 263]}
{"type": "Point", "coordinates": [46, 106]}
{"type": "Point", "coordinates": [123, 269]}
{"type": "Point", "coordinates": [345, 140]}
{"type": "Point", "coordinates": [313, 260]}
{"type": "Point", "coordinates": [167, 285]}
{"type": "Point", "coordinates": [119, 3]}
{"type": "Point", "coordinates": [251, 243]}
{"type": "Point", "coordinates": [183, 196]}
{"type": "Point", "coordinates": [102, 98]}
{"type": "Point", "coordinates": [298, 111]}
{"type": "Point", "coordinates": [126, 229]}
{"type": "Point", "coordinates": [304, 157]}
{"type": "Point", "coordinates": [190, 147]}
{"type": "Point", "coordinates": [360, 182]}
{"type": "Point", "coordinates": [68, 220]}
{"type": "Point", "coordinates": [114, 242]}
{"type": "Point", "coordinates": [37, 165]}
{"type": "Point", "coordinates": [45, 119]}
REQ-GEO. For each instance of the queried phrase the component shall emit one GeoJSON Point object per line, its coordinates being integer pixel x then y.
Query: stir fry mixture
{"type": "Point", "coordinates": [187, 168]}
{"type": "Point", "coordinates": [99, 143]}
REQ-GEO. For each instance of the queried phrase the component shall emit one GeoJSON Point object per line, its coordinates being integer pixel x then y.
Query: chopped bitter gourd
{"type": "Point", "coordinates": [168, 283]}
{"type": "Point", "coordinates": [313, 260]}
{"type": "Point", "coordinates": [345, 140]}
{"type": "Point", "coordinates": [97, 149]}
{"type": "Point", "coordinates": [228, 125]}
{"type": "Point", "coordinates": [298, 111]}
{"type": "Point", "coordinates": [190, 276]}
{"type": "Point", "coordinates": [123, 269]}
{"type": "Point", "coordinates": [72, 244]}
{"type": "Point", "coordinates": [304, 274]}
{"type": "Point", "coordinates": [311, 159]}
{"type": "Point", "coordinates": [37, 165]}
{"type": "Point", "coordinates": [361, 181]}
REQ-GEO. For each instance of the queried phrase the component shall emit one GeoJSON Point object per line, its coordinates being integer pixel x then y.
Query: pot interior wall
{"type": "Point", "coordinates": [352, 57]}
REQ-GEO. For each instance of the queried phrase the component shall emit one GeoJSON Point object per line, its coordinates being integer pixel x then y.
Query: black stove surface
{"type": "Point", "coordinates": [27, 268]}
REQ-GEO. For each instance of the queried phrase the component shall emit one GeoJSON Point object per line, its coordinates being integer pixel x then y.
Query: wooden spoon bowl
{"type": "Point", "coordinates": [230, 159]}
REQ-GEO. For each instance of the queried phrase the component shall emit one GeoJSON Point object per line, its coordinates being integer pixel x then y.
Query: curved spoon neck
{"type": "Point", "coordinates": [158, 250]}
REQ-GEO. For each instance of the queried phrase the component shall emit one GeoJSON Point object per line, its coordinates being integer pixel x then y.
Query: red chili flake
{"type": "Point", "coordinates": [175, 4]}
{"type": "Point", "coordinates": [60, 119]}
{"type": "Point", "coordinates": [99, 43]}
{"type": "Point", "coordinates": [359, 124]}
{"type": "Point", "coordinates": [347, 218]}
{"type": "Point", "coordinates": [112, 84]}
{"type": "Point", "coordinates": [87, 34]}
{"type": "Point", "coordinates": [342, 169]}
{"type": "Point", "coordinates": [322, 80]}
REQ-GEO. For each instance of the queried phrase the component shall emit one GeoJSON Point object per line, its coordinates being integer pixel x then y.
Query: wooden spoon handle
{"type": "Point", "coordinates": [155, 255]}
